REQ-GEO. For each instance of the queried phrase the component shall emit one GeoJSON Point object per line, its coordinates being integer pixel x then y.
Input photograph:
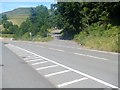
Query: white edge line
{"type": "Point", "coordinates": [81, 73]}
{"type": "Point", "coordinates": [46, 67]}
{"type": "Point", "coordinates": [56, 73]}
{"type": "Point", "coordinates": [90, 56]}
{"type": "Point", "coordinates": [39, 63]}
{"type": "Point", "coordinates": [34, 60]}
{"type": "Point", "coordinates": [71, 82]}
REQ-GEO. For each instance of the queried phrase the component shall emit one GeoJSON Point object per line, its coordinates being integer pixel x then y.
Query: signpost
{"type": "Point", "coordinates": [30, 36]}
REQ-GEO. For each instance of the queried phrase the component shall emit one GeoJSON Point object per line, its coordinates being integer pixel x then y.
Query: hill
{"type": "Point", "coordinates": [17, 16]}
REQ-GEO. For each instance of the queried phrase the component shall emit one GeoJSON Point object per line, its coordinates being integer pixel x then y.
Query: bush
{"type": "Point", "coordinates": [26, 36]}
{"type": "Point", "coordinates": [43, 31]}
{"type": "Point", "coordinates": [98, 37]}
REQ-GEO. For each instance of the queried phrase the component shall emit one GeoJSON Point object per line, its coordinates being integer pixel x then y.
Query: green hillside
{"type": "Point", "coordinates": [17, 16]}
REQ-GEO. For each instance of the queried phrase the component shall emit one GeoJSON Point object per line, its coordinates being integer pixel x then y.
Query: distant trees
{"type": "Point", "coordinates": [9, 28]}
{"type": "Point", "coordinates": [4, 18]}
{"type": "Point", "coordinates": [37, 23]}
{"type": "Point", "coordinates": [72, 17]}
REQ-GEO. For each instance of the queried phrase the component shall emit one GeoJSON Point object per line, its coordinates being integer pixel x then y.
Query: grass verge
{"type": "Point", "coordinates": [100, 38]}
{"type": "Point", "coordinates": [42, 39]}
{"type": "Point", "coordinates": [7, 35]}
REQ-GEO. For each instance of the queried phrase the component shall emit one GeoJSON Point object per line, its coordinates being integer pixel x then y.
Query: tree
{"type": "Point", "coordinates": [37, 22]}
{"type": "Point", "coordinates": [4, 18]}
{"type": "Point", "coordinates": [80, 15]}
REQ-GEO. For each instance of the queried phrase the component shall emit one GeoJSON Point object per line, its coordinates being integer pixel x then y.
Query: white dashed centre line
{"type": "Point", "coordinates": [69, 68]}
{"type": "Point", "coordinates": [52, 74]}
{"type": "Point", "coordinates": [40, 46]}
{"type": "Point", "coordinates": [39, 63]}
{"type": "Point", "coordinates": [90, 56]}
{"type": "Point", "coordinates": [71, 82]}
{"type": "Point", "coordinates": [57, 49]}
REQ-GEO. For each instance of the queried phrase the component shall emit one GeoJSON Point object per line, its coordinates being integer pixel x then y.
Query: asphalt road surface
{"type": "Point", "coordinates": [59, 63]}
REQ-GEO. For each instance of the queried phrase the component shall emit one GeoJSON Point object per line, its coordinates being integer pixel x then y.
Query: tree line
{"type": "Point", "coordinates": [37, 24]}
{"type": "Point", "coordinates": [73, 17]}
{"type": "Point", "coordinates": [9, 28]}
{"type": "Point", "coordinates": [77, 16]}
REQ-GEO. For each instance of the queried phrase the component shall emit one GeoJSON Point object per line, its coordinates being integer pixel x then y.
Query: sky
{"type": "Point", "coordinates": [9, 5]}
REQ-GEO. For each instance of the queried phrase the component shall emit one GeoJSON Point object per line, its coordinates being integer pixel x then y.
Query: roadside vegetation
{"type": "Point", "coordinates": [97, 37]}
{"type": "Point", "coordinates": [35, 28]}
{"type": "Point", "coordinates": [7, 35]}
{"type": "Point", "coordinates": [92, 24]}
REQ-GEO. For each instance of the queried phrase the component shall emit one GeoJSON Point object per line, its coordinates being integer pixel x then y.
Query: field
{"type": "Point", "coordinates": [18, 19]}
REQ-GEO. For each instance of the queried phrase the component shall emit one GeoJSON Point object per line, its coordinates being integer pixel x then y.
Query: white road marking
{"type": "Point", "coordinates": [52, 74]}
{"type": "Point", "coordinates": [57, 49]}
{"type": "Point", "coordinates": [39, 63]}
{"type": "Point", "coordinates": [31, 58]}
{"type": "Point", "coordinates": [90, 56]}
{"type": "Point", "coordinates": [84, 49]}
{"type": "Point", "coordinates": [76, 71]}
{"type": "Point", "coordinates": [28, 56]}
{"type": "Point", "coordinates": [22, 54]}
{"type": "Point", "coordinates": [46, 67]}
{"type": "Point", "coordinates": [34, 60]}
{"type": "Point", "coordinates": [71, 82]}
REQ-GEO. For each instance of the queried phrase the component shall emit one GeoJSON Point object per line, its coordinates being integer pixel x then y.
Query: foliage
{"type": "Point", "coordinates": [7, 35]}
{"type": "Point", "coordinates": [93, 24]}
{"type": "Point", "coordinates": [8, 26]}
{"type": "Point", "coordinates": [42, 39]}
{"type": "Point", "coordinates": [81, 15]}
{"type": "Point", "coordinates": [36, 24]}
{"type": "Point", "coordinates": [97, 37]}
{"type": "Point", "coordinates": [16, 16]}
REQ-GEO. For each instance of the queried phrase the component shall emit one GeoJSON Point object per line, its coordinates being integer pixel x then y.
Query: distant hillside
{"type": "Point", "coordinates": [17, 16]}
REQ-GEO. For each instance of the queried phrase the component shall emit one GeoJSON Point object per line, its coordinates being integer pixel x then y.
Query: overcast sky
{"type": "Point", "coordinates": [8, 5]}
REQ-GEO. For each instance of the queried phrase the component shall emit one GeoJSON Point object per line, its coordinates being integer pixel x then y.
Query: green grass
{"type": "Point", "coordinates": [7, 35]}
{"type": "Point", "coordinates": [102, 43]}
{"type": "Point", "coordinates": [43, 39]}
{"type": "Point", "coordinates": [37, 38]}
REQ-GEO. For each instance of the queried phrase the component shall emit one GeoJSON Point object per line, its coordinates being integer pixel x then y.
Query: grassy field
{"type": "Point", "coordinates": [18, 19]}
{"type": "Point", "coordinates": [18, 15]}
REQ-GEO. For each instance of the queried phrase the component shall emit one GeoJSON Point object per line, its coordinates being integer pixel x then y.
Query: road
{"type": "Point", "coordinates": [16, 74]}
{"type": "Point", "coordinates": [59, 63]}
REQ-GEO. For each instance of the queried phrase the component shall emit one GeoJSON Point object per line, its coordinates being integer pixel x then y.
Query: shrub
{"type": "Point", "coordinates": [26, 36]}
{"type": "Point", "coordinates": [98, 37]}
